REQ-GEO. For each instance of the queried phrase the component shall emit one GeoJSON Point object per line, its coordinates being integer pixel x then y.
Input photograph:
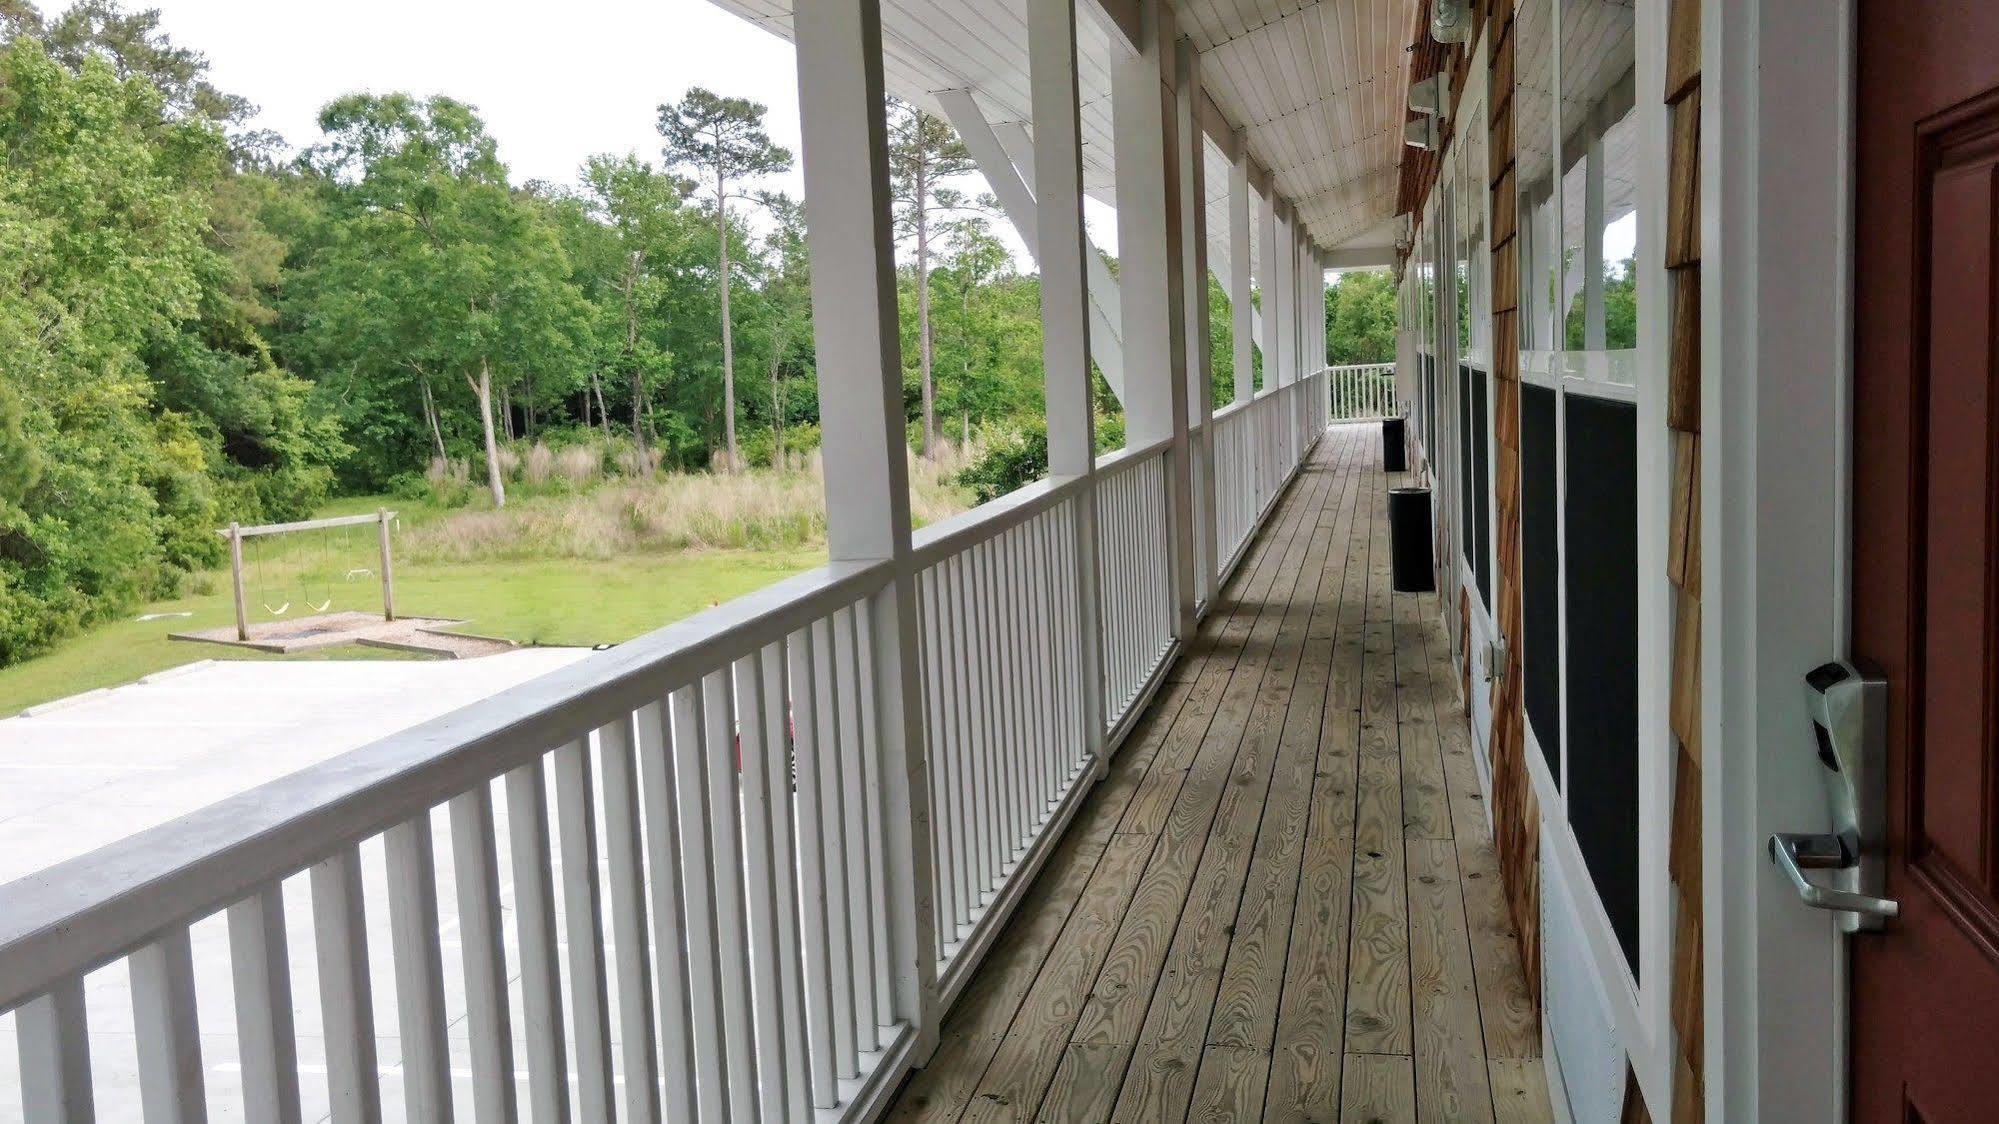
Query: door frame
{"type": "Point", "coordinates": [1776, 175]}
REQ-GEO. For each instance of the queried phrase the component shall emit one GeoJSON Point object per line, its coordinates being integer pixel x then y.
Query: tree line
{"type": "Point", "coordinates": [204, 325]}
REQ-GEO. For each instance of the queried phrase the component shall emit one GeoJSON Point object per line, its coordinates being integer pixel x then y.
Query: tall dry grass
{"type": "Point", "coordinates": [754, 510]}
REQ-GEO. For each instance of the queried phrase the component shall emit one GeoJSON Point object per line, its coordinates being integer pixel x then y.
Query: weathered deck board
{"type": "Point", "coordinates": [1279, 903]}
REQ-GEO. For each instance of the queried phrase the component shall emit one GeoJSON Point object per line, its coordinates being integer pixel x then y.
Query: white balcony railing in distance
{"type": "Point", "coordinates": [661, 883]}
{"type": "Point", "coordinates": [1362, 392]}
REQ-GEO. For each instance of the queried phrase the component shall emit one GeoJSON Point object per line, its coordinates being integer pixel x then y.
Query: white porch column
{"type": "Point", "coordinates": [1320, 359]}
{"type": "Point", "coordinates": [1065, 324]}
{"type": "Point", "coordinates": [1266, 279]}
{"type": "Point", "coordinates": [1241, 311]}
{"type": "Point", "coordinates": [1593, 321]}
{"type": "Point", "coordinates": [1193, 165]}
{"type": "Point", "coordinates": [1148, 207]}
{"type": "Point", "coordinates": [1284, 278]}
{"type": "Point", "coordinates": [864, 443]}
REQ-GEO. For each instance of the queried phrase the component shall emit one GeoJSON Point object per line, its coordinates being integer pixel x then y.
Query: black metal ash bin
{"type": "Point", "coordinates": [1394, 446]}
{"type": "Point", "coordinates": [1409, 540]}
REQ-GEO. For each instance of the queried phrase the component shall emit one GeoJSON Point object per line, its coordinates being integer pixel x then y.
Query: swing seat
{"type": "Point", "coordinates": [280, 611]}
{"type": "Point", "coordinates": [321, 607]}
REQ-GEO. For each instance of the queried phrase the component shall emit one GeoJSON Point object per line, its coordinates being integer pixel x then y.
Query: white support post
{"type": "Point", "coordinates": [1284, 285]}
{"type": "Point", "coordinates": [1318, 290]}
{"type": "Point", "coordinates": [1148, 204]}
{"type": "Point", "coordinates": [1266, 280]}
{"type": "Point", "coordinates": [1593, 320]}
{"type": "Point", "coordinates": [1065, 329]}
{"type": "Point", "coordinates": [865, 447]}
{"type": "Point", "coordinates": [1241, 311]}
{"type": "Point", "coordinates": [1193, 163]}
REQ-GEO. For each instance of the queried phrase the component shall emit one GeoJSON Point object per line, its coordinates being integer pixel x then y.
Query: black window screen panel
{"type": "Point", "coordinates": [1481, 480]}
{"type": "Point", "coordinates": [1467, 517]}
{"type": "Point", "coordinates": [1601, 575]}
{"type": "Point", "coordinates": [1540, 560]}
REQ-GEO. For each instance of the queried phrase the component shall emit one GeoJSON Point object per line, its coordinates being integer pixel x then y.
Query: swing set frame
{"type": "Point", "coordinates": [236, 533]}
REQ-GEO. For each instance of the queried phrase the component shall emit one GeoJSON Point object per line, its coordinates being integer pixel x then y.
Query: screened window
{"type": "Point", "coordinates": [1540, 562]}
{"type": "Point", "coordinates": [1601, 581]}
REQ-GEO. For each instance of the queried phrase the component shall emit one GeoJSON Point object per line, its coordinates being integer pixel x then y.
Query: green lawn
{"type": "Point", "coordinates": [533, 602]}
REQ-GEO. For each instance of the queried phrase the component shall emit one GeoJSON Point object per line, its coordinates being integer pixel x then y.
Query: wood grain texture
{"type": "Point", "coordinates": [1683, 387]}
{"type": "Point", "coordinates": [1685, 710]}
{"type": "Point", "coordinates": [1378, 962]}
{"type": "Point", "coordinates": [1305, 1062]}
{"type": "Point", "coordinates": [1379, 1089]}
{"type": "Point", "coordinates": [1684, 865]}
{"type": "Point", "coordinates": [1683, 48]}
{"type": "Point", "coordinates": [1185, 953]}
{"type": "Point", "coordinates": [1683, 182]}
{"type": "Point", "coordinates": [1451, 1080]}
{"type": "Point", "coordinates": [1684, 393]}
{"type": "Point", "coordinates": [1680, 524]}
{"type": "Point", "coordinates": [1520, 1091]}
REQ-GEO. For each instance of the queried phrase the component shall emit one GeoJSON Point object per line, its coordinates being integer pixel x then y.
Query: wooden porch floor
{"type": "Point", "coordinates": [1282, 902]}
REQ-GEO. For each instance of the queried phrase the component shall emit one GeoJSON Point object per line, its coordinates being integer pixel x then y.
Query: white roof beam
{"type": "Point", "coordinates": [1008, 174]}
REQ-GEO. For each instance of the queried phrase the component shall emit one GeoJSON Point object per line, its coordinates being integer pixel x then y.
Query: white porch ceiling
{"type": "Point", "coordinates": [1316, 87]}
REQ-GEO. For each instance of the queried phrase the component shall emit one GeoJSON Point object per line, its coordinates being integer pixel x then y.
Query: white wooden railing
{"type": "Point", "coordinates": [1257, 445]}
{"type": "Point", "coordinates": [1362, 392]}
{"type": "Point", "coordinates": [1137, 594]}
{"type": "Point", "coordinates": [666, 882]}
{"type": "Point", "coordinates": [1002, 650]}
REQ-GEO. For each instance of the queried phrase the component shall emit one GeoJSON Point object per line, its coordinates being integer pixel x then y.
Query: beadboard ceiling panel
{"type": "Point", "coordinates": [1316, 89]}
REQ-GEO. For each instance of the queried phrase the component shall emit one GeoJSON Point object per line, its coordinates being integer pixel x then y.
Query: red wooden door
{"type": "Point", "coordinates": [1925, 1011]}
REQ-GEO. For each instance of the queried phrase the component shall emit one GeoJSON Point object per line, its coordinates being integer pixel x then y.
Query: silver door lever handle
{"type": "Point", "coordinates": [1796, 852]}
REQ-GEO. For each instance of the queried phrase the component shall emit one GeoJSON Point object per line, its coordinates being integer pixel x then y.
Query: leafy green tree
{"type": "Point", "coordinates": [724, 139]}
{"type": "Point", "coordinates": [642, 207]}
{"type": "Point", "coordinates": [986, 319]}
{"type": "Point", "coordinates": [1620, 308]}
{"type": "Point", "coordinates": [787, 294]}
{"type": "Point", "coordinates": [102, 221]}
{"type": "Point", "coordinates": [923, 152]}
{"type": "Point", "coordinates": [1360, 318]}
{"type": "Point", "coordinates": [437, 267]}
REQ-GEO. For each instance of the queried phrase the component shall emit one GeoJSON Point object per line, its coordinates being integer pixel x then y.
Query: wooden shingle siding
{"type": "Point", "coordinates": [1683, 187]}
{"type": "Point", "coordinates": [1515, 811]}
{"type": "Point", "coordinates": [1683, 48]}
{"type": "Point", "coordinates": [1682, 256]}
{"type": "Point", "coordinates": [1683, 387]}
{"type": "Point", "coordinates": [1683, 530]}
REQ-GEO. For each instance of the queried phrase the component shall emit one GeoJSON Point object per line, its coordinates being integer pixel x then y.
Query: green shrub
{"type": "Point", "coordinates": [1012, 461]}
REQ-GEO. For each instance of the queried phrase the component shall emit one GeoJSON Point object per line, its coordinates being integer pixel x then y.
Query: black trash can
{"type": "Point", "coordinates": [1409, 540]}
{"type": "Point", "coordinates": [1394, 456]}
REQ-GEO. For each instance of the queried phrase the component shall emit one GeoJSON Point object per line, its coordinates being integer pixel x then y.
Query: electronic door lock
{"type": "Point", "coordinates": [1849, 713]}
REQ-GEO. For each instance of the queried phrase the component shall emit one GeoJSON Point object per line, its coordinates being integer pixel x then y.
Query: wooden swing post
{"type": "Point", "coordinates": [236, 533]}
{"type": "Point", "coordinates": [236, 580]}
{"type": "Point", "coordinates": [388, 579]}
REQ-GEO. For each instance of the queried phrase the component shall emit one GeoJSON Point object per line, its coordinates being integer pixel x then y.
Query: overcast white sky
{"type": "Point", "coordinates": [553, 91]}
{"type": "Point", "coordinates": [556, 83]}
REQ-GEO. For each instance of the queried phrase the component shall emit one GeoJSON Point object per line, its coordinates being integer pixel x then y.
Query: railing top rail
{"type": "Point", "coordinates": [1232, 409]}
{"type": "Point", "coordinates": [1118, 460]}
{"type": "Point", "coordinates": [991, 519]}
{"type": "Point", "coordinates": [80, 914]}
{"type": "Point", "coordinates": [1362, 367]}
